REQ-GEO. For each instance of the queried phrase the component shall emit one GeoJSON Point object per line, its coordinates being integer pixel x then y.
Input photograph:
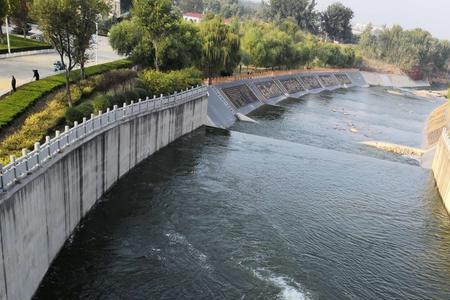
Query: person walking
{"type": "Point", "coordinates": [13, 83]}
{"type": "Point", "coordinates": [36, 74]}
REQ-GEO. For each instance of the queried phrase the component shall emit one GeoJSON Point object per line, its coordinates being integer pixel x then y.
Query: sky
{"type": "Point", "coordinates": [431, 15]}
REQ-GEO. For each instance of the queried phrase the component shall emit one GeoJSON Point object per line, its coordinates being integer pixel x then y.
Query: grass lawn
{"type": "Point", "coordinates": [19, 43]}
{"type": "Point", "coordinates": [12, 105]}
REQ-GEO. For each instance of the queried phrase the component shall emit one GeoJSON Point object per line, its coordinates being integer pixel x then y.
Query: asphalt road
{"type": "Point", "coordinates": [21, 67]}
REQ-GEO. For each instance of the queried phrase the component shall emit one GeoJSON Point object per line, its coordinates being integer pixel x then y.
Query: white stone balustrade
{"type": "Point", "coordinates": [20, 167]}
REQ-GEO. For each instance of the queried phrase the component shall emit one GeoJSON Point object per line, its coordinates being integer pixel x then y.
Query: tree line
{"type": "Point", "coordinates": [415, 51]}
{"type": "Point", "coordinates": [156, 35]}
{"type": "Point", "coordinates": [333, 23]}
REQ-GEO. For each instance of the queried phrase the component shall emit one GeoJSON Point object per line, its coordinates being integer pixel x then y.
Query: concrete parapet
{"type": "Point", "coordinates": [441, 168]}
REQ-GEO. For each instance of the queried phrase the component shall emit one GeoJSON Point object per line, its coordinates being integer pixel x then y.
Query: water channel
{"type": "Point", "coordinates": [293, 207]}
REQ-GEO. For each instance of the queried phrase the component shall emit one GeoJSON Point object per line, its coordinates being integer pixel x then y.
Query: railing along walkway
{"type": "Point", "coordinates": [257, 74]}
{"type": "Point", "coordinates": [19, 168]}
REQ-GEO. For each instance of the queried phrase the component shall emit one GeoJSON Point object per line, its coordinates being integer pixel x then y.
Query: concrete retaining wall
{"type": "Point", "coordinates": [392, 80]}
{"type": "Point", "coordinates": [40, 211]}
{"type": "Point", "coordinates": [441, 168]}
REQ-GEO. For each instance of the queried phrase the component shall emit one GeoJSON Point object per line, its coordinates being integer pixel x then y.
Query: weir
{"type": "Point", "coordinates": [241, 95]}
{"type": "Point", "coordinates": [46, 192]}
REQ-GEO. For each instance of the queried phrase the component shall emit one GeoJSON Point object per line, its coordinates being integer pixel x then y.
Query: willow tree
{"type": "Point", "coordinates": [158, 19]}
{"type": "Point", "coordinates": [220, 49]}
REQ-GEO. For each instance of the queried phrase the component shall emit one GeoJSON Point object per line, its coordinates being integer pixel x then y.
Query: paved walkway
{"type": "Point", "coordinates": [21, 67]}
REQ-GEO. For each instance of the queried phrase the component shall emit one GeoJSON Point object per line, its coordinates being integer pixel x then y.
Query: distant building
{"type": "Point", "coordinates": [198, 17]}
{"type": "Point", "coordinates": [193, 16]}
{"type": "Point", "coordinates": [359, 28]}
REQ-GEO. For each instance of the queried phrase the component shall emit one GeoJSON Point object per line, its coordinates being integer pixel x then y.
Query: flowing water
{"type": "Point", "coordinates": [289, 208]}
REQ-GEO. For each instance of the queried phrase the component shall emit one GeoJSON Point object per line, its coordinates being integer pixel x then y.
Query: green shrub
{"type": "Point", "coordinates": [72, 115]}
{"type": "Point", "coordinates": [86, 109]}
{"type": "Point", "coordinates": [157, 83]}
{"type": "Point", "coordinates": [113, 78]}
{"type": "Point", "coordinates": [77, 113]}
{"type": "Point", "coordinates": [141, 92]}
{"type": "Point", "coordinates": [130, 95]}
{"type": "Point", "coordinates": [100, 102]}
{"type": "Point", "coordinates": [116, 99]}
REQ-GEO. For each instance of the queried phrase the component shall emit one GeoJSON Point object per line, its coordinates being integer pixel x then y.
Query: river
{"type": "Point", "coordinates": [290, 208]}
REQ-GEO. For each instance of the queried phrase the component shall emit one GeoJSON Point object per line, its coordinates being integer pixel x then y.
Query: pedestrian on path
{"type": "Point", "coordinates": [13, 83]}
{"type": "Point", "coordinates": [36, 74]}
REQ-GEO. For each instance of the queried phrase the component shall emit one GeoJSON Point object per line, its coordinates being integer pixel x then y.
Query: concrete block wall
{"type": "Point", "coordinates": [441, 168]}
{"type": "Point", "coordinates": [39, 213]}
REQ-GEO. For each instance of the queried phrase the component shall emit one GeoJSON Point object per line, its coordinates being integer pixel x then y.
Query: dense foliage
{"type": "Point", "coordinates": [335, 22]}
{"type": "Point", "coordinates": [414, 51]}
{"type": "Point", "coordinates": [220, 48]}
{"type": "Point", "coordinates": [156, 83]}
{"type": "Point", "coordinates": [286, 45]}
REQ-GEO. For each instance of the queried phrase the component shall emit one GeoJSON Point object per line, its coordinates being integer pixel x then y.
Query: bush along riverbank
{"type": "Point", "coordinates": [90, 96]}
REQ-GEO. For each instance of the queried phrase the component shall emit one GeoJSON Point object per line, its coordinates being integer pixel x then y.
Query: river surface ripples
{"type": "Point", "coordinates": [290, 208]}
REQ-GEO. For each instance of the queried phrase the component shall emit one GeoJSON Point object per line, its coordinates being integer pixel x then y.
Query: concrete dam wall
{"type": "Point", "coordinates": [49, 190]}
{"type": "Point", "coordinates": [441, 168]}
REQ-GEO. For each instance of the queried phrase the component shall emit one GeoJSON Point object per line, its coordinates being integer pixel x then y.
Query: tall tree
{"type": "Point", "coordinates": [57, 22]}
{"type": "Point", "coordinates": [7, 7]}
{"type": "Point", "coordinates": [20, 15]}
{"type": "Point", "coordinates": [158, 20]}
{"type": "Point", "coordinates": [86, 16]}
{"type": "Point", "coordinates": [336, 22]}
{"type": "Point", "coordinates": [303, 11]}
{"type": "Point", "coordinates": [220, 50]}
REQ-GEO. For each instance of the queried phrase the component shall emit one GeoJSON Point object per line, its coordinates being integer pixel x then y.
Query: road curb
{"type": "Point", "coordinates": [27, 53]}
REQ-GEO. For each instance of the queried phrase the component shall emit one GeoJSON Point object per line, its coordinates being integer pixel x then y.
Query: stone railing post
{"type": "Point", "coordinates": [12, 159]}
{"type": "Point", "coordinates": [37, 148]}
{"type": "Point", "coordinates": [2, 184]}
{"type": "Point", "coordinates": [115, 112]}
{"type": "Point", "coordinates": [47, 141]}
{"type": "Point", "coordinates": [84, 126]}
{"type": "Point", "coordinates": [66, 130]}
{"type": "Point", "coordinates": [25, 156]}
{"type": "Point", "coordinates": [75, 126]}
{"type": "Point", "coordinates": [58, 141]}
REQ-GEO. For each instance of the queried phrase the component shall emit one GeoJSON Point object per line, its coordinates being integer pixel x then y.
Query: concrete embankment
{"type": "Point", "coordinates": [64, 178]}
{"type": "Point", "coordinates": [441, 168]}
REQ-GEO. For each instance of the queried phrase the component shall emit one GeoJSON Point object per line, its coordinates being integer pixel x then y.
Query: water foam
{"type": "Point", "coordinates": [177, 238]}
{"type": "Point", "coordinates": [290, 290]}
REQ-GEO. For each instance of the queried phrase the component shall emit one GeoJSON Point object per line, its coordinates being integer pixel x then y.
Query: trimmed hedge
{"type": "Point", "coordinates": [12, 105]}
{"type": "Point", "coordinates": [21, 49]}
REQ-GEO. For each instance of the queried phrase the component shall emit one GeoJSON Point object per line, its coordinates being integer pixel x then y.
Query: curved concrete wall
{"type": "Point", "coordinates": [39, 211]}
{"type": "Point", "coordinates": [441, 168]}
